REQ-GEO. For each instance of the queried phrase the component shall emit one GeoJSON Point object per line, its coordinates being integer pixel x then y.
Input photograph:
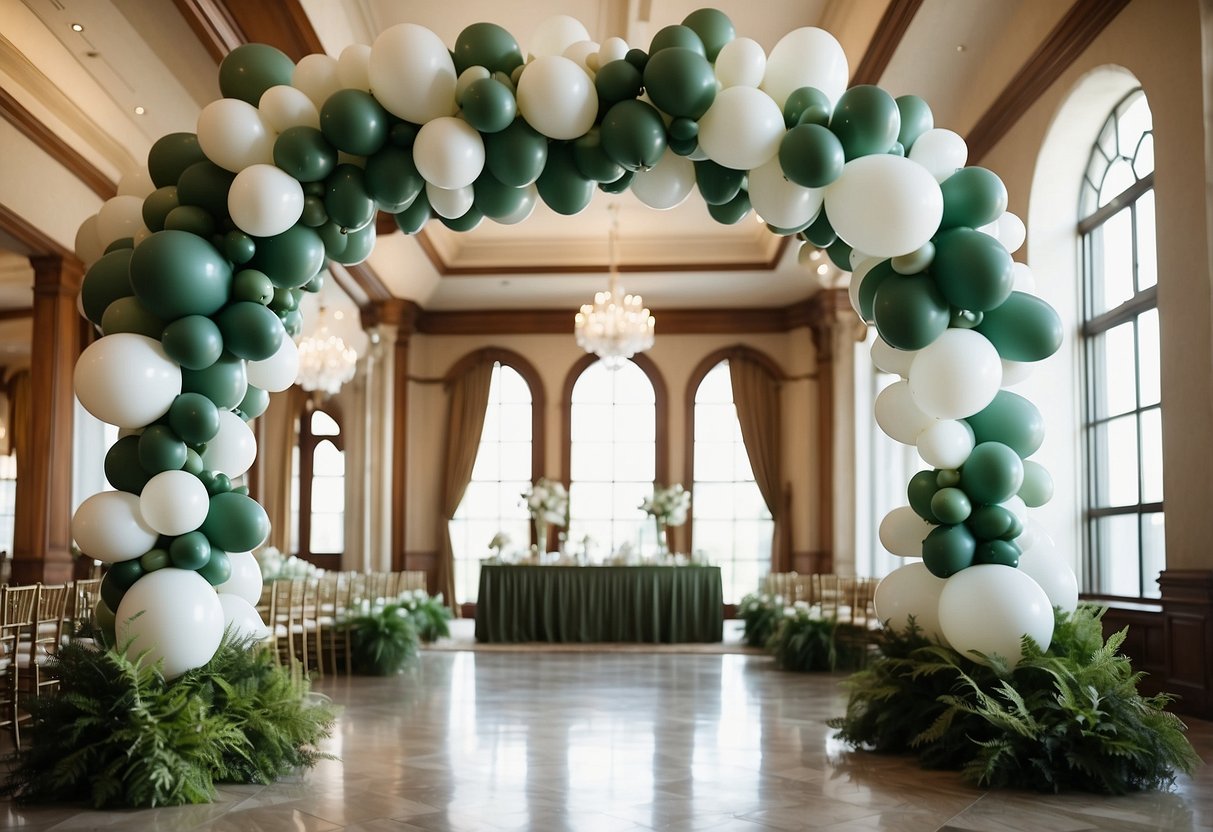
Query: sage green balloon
{"type": "Point", "coordinates": [205, 185]}
{"type": "Point", "coordinates": [947, 477]}
{"type": "Point", "coordinates": [684, 129]}
{"type": "Point", "coordinates": [516, 155]}
{"type": "Point", "coordinates": [633, 134]}
{"type": "Point", "coordinates": [305, 153]}
{"type": "Point", "coordinates": [733, 211]}
{"type": "Point", "coordinates": [314, 285]}
{"type": "Point", "coordinates": [224, 382]}
{"type": "Point", "coordinates": [916, 119]}
{"type": "Point", "coordinates": [840, 254]}
{"type": "Point", "coordinates": [194, 418]}
{"type": "Point", "coordinates": [999, 552]}
{"type": "Point", "coordinates": [1023, 328]}
{"type": "Point", "coordinates": [119, 244]}
{"type": "Point", "coordinates": [122, 468]}
{"type": "Point", "coordinates": [216, 482]}
{"type": "Point", "coordinates": [1012, 420]}
{"type": "Point", "coordinates": [469, 220]}
{"type": "Point", "coordinates": [218, 569]}
{"type": "Point", "coordinates": [334, 238]}
{"type": "Point", "coordinates": [618, 80]}
{"type": "Point", "coordinates": [252, 68]}
{"type": "Point", "coordinates": [909, 312]}
{"type": "Point", "coordinates": [487, 45]}
{"type": "Point", "coordinates": [921, 490]}
{"type": "Point", "coordinates": [1037, 488]}
{"type": "Point", "coordinates": [972, 197]}
{"type": "Point", "coordinates": [235, 523]}
{"type": "Point", "coordinates": [807, 105]}
{"type": "Point", "coordinates": [253, 286]}
{"type": "Point", "coordinates": [992, 522]}
{"type": "Point", "coordinates": [250, 330]}
{"type": "Point", "coordinates": [592, 160]}
{"type": "Point", "coordinates": [713, 28]}
{"type": "Point", "coordinates": [192, 219]}
{"type": "Point", "coordinates": [285, 300]}
{"type": "Point", "coordinates": [253, 404]}
{"type": "Point", "coordinates": [194, 342]}
{"type": "Point", "coordinates": [292, 258]}
{"type": "Point", "coordinates": [170, 155]}
{"type": "Point", "coordinates": [866, 120]}
{"type": "Point", "coordinates": [346, 199]}
{"type": "Point", "coordinates": [191, 550]}
{"type": "Point", "coordinates": [239, 247]}
{"type": "Point", "coordinates": [359, 245]}
{"type": "Point", "coordinates": [972, 269]}
{"type": "Point", "coordinates": [680, 82]}
{"type": "Point", "coordinates": [620, 185]}
{"type": "Point", "coordinates": [495, 200]}
{"type": "Point", "coordinates": [872, 281]}
{"type": "Point", "coordinates": [965, 319]}
{"type": "Point", "coordinates": [354, 122]}
{"type": "Point", "coordinates": [129, 315]}
{"type": "Point", "coordinates": [154, 559]}
{"type": "Point", "coordinates": [951, 506]}
{"type": "Point", "coordinates": [489, 106]}
{"type": "Point", "coordinates": [811, 156]}
{"type": "Point", "coordinates": [948, 549]}
{"type": "Point", "coordinates": [820, 233]}
{"type": "Point", "coordinates": [413, 218]}
{"type": "Point", "coordinates": [313, 215]}
{"type": "Point", "coordinates": [717, 184]}
{"type": "Point", "coordinates": [676, 37]}
{"type": "Point", "coordinates": [157, 204]}
{"type": "Point", "coordinates": [125, 573]}
{"type": "Point", "coordinates": [160, 450]}
{"type": "Point", "coordinates": [292, 322]}
{"type": "Point", "coordinates": [175, 273]}
{"type": "Point", "coordinates": [993, 473]}
{"type": "Point", "coordinates": [561, 185]}
{"type": "Point", "coordinates": [106, 281]}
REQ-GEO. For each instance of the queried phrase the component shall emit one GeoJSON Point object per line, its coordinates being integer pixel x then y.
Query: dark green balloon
{"type": "Point", "coordinates": [1024, 328]}
{"type": "Point", "coordinates": [253, 404]}
{"type": "Point", "coordinates": [637, 58]}
{"type": "Point", "coordinates": [840, 254]}
{"type": "Point", "coordinates": [205, 185]}
{"type": "Point", "coordinates": [733, 211]}
{"type": "Point", "coordinates": [633, 134]}
{"type": "Point", "coordinates": [909, 312]}
{"type": "Point", "coordinates": [489, 106]}
{"type": "Point", "coordinates": [154, 559]}
{"type": "Point", "coordinates": [811, 156]}
{"type": "Point", "coordinates": [111, 590]}
{"type": "Point", "coordinates": [238, 247]}
{"type": "Point", "coordinates": [495, 200]}
{"type": "Point", "coordinates": [305, 154]}
{"type": "Point", "coordinates": [359, 245]}
{"type": "Point", "coordinates": [334, 238]}
{"type": "Point", "coordinates": [921, 491]}
{"type": "Point", "coordinates": [807, 105]}
{"type": "Point", "coordinates": [972, 197]}
{"type": "Point", "coordinates": [190, 218]}
{"type": "Point", "coordinates": [346, 199]}
{"type": "Point", "coordinates": [916, 119]}
{"type": "Point", "coordinates": [224, 383]}
{"type": "Point", "coordinates": [680, 82]}
{"type": "Point", "coordinates": [561, 185]}
{"type": "Point", "coordinates": [236, 523]}
{"type": "Point", "coordinates": [215, 482]}
{"type": "Point", "coordinates": [516, 155]}
{"type": "Point", "coordinates": [122, 468]}
{"type": "Point", "coordinates": [972, 269]}
{"type": "Point", "coordinates": [129, 315]}
{"type": "Point", "coordinates": [253, 286]}
{"type": "Point", "coordinates": [125, 573]}
{"type": "Point", "coordinates": [106, 281]}
{"type": "Point", "coordinates": [1000, 552]}
{"type": "Point", "coordinates": [413, 219]}
{"type": "Point", "coordinates": [291, 258]}
{"type": "Point", "coordinates": [684, 129]}
{"type": "Point", "coordinates": [191, 551]}
{"type": "Point", "coordinates": [487, 45]}
{"type": "Point", "coordinates": [157, 204]}
{"type": "Point", "coordinates": [402, 134]}
{"type": "Point", "coordinates": [872, 281]}
{"type": "Point", "coordinates": [866, 120]}
{"type": "Point", "coordinates": [619, 185]}
{"type": "Point", "coordinates": [218, 569]}
{"type": "Point", "coordinates": [618, 80]}
{"type": "Point", "coordinates": [354, 122]}
{"type": "Point", "coordinates": [821, 234]}
{"type": "Point", "coordinates": [313, 215]}
{"type": "Point", "coordinates": [194, 418]}
{"type": "Point", "coordinates": [174, 273]}
{"type": "Point", "coordinates": [992, 522]}
{"type": "Point", "coordinates": [194, 342]}
{"type": "Point", "coordinates": [965, 319]}
{"type": "Point", "coordinates": [466, 222]}
{"type": "Point", "coordinates": [252, 68]}
{"type": "Point", "coordinates": [250, 330]}
{"type": "Point", "coordinates": [119, 244]}
{"type": "Point", "coordinates": [171, 155]}
{"type": "Point", "coordinates": [592, 160]}
{"type": "Point", "coordinates": [676, 37]}
{"type": "Point", "coordinates": [713, 28]}
{"type": "Point", "coordinates": [951, 506]}
{"type": "Point", "coordinates": [992, 473]}
{"type": "Point", "coordinates": [1012, 420]}
{"type": "Point", "coordinates": [160, 450]}
{"type": "Point", "coordinates": [948, 549]}
{"type": "Point", "coordinates": [717, 184]}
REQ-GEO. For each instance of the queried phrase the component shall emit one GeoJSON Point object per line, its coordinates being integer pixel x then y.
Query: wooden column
{"type": "Point", "coordinates": [1187, 614]}
{"type": "Point", "coordinates": [42, 532]}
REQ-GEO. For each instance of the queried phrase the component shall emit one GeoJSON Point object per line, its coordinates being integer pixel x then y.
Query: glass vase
{"type": "Point", "coordinates": [662, 547]}
{"type": "Point", "coordinates": [541, 535]}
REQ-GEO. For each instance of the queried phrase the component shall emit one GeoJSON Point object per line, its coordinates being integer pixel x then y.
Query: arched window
{"type": "Point", "coordinates": [1122, 416]}
{"type": "Point", "coordinates": [504, 467]}
{"type": "Point", "coordinates": [319, 485]}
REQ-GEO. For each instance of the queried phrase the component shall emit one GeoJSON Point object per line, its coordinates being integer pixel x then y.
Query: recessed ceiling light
{"type": "Point", "coordinates": [139, 111]}
{"type": "Point", "coordinates": [76, 27]}
{"type": "Point", "coordinates": [960, 47]}
{"type": "Point", "coordinates": [815, 254]}
{"type": "Point", "coordinates": [338, 315]}
{"type": "Point", "coordinates": [823, 268]}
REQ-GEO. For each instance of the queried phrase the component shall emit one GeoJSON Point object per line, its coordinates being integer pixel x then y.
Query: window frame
{"type": "Point", "coordinates": [308, 442]}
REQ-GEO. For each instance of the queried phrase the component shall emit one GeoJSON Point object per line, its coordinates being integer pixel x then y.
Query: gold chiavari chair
{"type": "Point", "coordinates": [413, 579]}
{"type": "Point", "coordinates": [18, 608]}
{"type": "Point", "coordinates": [50, 615]}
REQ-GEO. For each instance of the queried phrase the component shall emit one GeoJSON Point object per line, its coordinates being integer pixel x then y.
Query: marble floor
{"type": "Point", "coordinates": [618, 741]}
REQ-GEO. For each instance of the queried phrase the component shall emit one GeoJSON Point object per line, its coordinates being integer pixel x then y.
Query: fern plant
{"type": "Point", "coordinates": [804, 641]}
{"type": "Point", "coordinates": [383, 639]}
{"type": "Point", "coordinates": [759, 614]}
{"type": "Point", "coordinates": [429, 614]}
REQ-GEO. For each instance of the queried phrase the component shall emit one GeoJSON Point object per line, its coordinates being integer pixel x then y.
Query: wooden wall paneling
{"type": "Point", "coordinates": [1187, 614]}
{"type": "Point", "coordinates": [1144, 642]}
{"type": "Point", "coordinates": [426, 562]}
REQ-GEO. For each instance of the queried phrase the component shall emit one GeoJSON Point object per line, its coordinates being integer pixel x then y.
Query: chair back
{"type": "Point", "coordinates": [18, 613]}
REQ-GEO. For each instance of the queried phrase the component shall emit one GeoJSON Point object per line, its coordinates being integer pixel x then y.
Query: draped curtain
{"type": "Point", "coordinates": [19, 415]}
{"type": "Point", "coordinates": [280, 424]}
{"type": "Point", "coordinates": [756, 397]}
{"type": "Point", "coordinates": [469, 399]}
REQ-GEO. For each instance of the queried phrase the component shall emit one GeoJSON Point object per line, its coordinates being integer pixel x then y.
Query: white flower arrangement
{"type": "Point", "coordinates": [278, 567]}
{"type": "Point", "coordinates": [499, 542]}
{"type": "Point", "coordinates": [668, 506]}
{"type": "Point", "coordinates": [548, 502]}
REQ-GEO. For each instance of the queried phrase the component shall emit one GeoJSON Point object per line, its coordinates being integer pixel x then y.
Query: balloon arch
{"type": "Point", "coordinates": [196, 270]}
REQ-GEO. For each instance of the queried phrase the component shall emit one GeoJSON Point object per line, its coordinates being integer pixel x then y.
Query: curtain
{"type": "Point", "coordinates": [19, 415]}
{"type": "Point", "coordinates": [469, 399]}
{"type": "Point", "coordinates": [756, 396]}
{"type": "Point", "coordinates": [279, 435]}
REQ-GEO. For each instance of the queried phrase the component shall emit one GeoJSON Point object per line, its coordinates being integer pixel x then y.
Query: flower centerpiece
{"type": "Point", "coordinates": [498, 544]}
{"type": "Point", "coordinates": [276, 566]}
{"type": "Point", "coordinates": [668, 507]}
{"type": "Point", "coordinates": [548, 503]}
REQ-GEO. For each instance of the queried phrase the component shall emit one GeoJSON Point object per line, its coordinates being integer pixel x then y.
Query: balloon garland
{"type": "Point", "coordinates": [197, 268]}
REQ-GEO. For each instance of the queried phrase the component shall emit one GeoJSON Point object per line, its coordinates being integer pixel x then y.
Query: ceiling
{"type": "Point", "coordinates": [84, 87]}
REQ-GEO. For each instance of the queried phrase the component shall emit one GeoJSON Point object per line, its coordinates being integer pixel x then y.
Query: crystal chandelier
{"type": "Point", "coordinates": [325, 361]}
{"type": "Point", "coordinates": [616, 325]}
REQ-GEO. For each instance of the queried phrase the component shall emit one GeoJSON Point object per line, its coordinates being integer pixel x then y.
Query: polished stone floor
{"type": "Point", "coordinates": [601, 741]}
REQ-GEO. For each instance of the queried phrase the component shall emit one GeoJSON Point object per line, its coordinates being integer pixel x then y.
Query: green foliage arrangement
{"type": "Point", "coordinates": [1069, 718]}
{"type": "Point", "coordinates": [804, 641]}
{"type": "Point", "coordinates": [429, 614]}
{"type": "Point", "coordinates": [119, 735]}
{"type": "Point", "coordinates": [383, 639]}
{"type": "Point", "coordinates": [759, 613]}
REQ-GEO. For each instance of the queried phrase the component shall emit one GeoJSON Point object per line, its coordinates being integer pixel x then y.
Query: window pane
{"type": "Point", "coordinates": [716, 387]}
{"type": "Point", "coordinates": [635, 461]}
{"type": "Point", "coordinates": [716, 422]}
{"type": "Point", "coordinates": [634, 423]}
{"type": "Point", "coordinates": [1134, 120]}
{"type": "Point", "coordinates": [487, 467]}
{"type": "Point", "coordinates": [515, 422]}
{"type": "Point", "coordinates": [328, 494]}
{"type": "Point", "coordinates": [1148, 359]}
{"type": "Point", "coordinates": [593, 423]}
{"type": "Point", "coordinates": [328, 535]}
{"type": "Point", "coordinates": [593, 462]}
{"type": "Point", "coordinates": [1153, 552]}
{"type": "Point", "coordinates": [713, 461]}
{"type": "Point", "coordinates": [1147, 248]}
{"type": "Point", "coordinates": [1143, 162]}
{"type": "Point", "coordinates": [1119, 566]}
{"type": "Point", "coordinates": [1114, 274]}
{"type": "Point", "coordinates": [1121, 461]}
{"type": "Point", "coordinates": [1151, 456]}
{"type": "Point", "coordinates": [591, 500]}
{"type": "Point", "coordinates": [327, 461]}
{"type": "Point", "coordinates": [323, 424]}
{"type": "Point", "coordinates": [1119, 385]}
{"type": "Point", "coordinates": [1116, 180]}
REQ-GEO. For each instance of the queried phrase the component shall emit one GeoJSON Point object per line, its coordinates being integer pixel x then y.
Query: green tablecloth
{"type": "Point", "coordinates": [657, 604]}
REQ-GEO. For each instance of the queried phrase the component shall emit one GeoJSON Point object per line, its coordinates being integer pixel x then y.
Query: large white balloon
{"type": "Point", "coordinates": [354, 67]}
{"type": "Point", "coordinates": [740, 63]}
{"type": "Point", "coordinates": [241, 619]}
{"type": "Point", "coordinates": [448, 152]}
{"type": "Point", "coordinates": [889, 358]}
{"type": "Point", "coordinates": [902, 532]}
{"type": "Point", "coordinates": [120, 216]}
{"type": "Point", "coordinates": [884, 205]}
{"type": "Point", "coordinates": [136, 183]}
{"type": "Point", "coordinates": [1042, 564]}
{"type": "Point", "coordinates": [555, 34]}
{"type": "Point", "coordinates": [127, 380]}
{"type": "Point", "coordinates": [233, 449]}
{"type": "Point", "coordinates": [911, 591]}
{"type": "Point", "coordinates": [1025, 281]}
{"type": "Point", "coordinates": [557, 98]}
{"type": "Point", "coordinates": [946, 444]}
{"type": "Point", "coordinates": [956, 375]}
{"type": "Point", "coordinates": [284, 107]}
{"type": "Point", "coordinates": [989, 608]}
{"type": "Point", "coordinates": [806, 57]}
{"type": "Point", "coordinates": [742, 129]}
{"type": "Point", "coordinates": [1015, 372]}
{"type": "Point", "coordinates": [109, 527]}
{"type": "Point", "coordinates": [940, 151]}
{"type": "Point", "coordinates": [174, 616]}
{"type": "Point", "coordinates": [316, 77]}
{"type": "Point", "coordinates": [898, 415]}
{"type": "Point", "coordinates": [264, 200]}
{"type": "Point", "coordinates": [233, 136]}
{"type": "Point", "coordinates": [277, 372]}
{"type": "Point", "coordinates": [89, 247]}
{"type": "Point", "coordinates": [584, 53]}
{"type": "Point", "coordinates": [779, 202]}
{"type": "Point", "coordinates": [612, 49]}
{"type": "Point", "coordinates": [666, 184]}
{"type": "Point", "coordinates": [1011, 232]}
{"type": "Point", "coordinates": [450, 203]}
{"type": "Point", "coordinates": [174, 502]}
{"type": "Point", "coordinates": [859, 270]}
{"type": "Point", "coordinates": [245, 579]}
{"type": "Point", "coordinates": [412, 74]}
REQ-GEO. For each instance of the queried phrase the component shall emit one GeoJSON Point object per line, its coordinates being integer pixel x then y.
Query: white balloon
{"type": "Point", "coordinates": [612, 49]}
{"type": "Point", "coordinates": [136, 183]}
{"type": "Point", "coordinates": [667, 184]}
{"type": "Point", "coordinates": [940, 151]}
{"type": "Point", "coordinates": [556, 34]}
{"type": "Point", "coordinates": [742, 129]}
{"type": "Point", "coordinates": [806, 57]}
{"type": "Point", "coordinates": [898, 415]}
{"type": "Point", "coordinates": [448, 152]}
{"type": "Point", "coordinates": [1014, 372]}
{"type": "Point", "coordinates": [1016, 506]}
{"type": "Point", "coordinates": [245, 580]}
{"type": "Point", "coordinates": [740, 63]}
{"type": "Point", "coordinates": [127, 380]}
{"type": "Point", "coordinates": [885, 205]}
{"type": "Point", "coordinates": [284, 107]}
{"type": "Point", "coordinates": [989, 608]}
{"type": "Point", "coordinates": [277, 372]}
{"type": "Point", "coordinates": [109, 527]}
{"type": "Point", "coordinates": [354, 67]}
{"type": "Point", "coordinates": [241, 619]}
{"type": "Point", "coordinates": [1011, 232]}
{"type": "Point", "coordinates": [450, 203]}
{"type": "Point", "coordinates": [859, 270]}
{"type": "Point", "coordinates": [890, 359]}
{"type": "Point", "coordinates": [956, 375]}
{"type": "Point", "coordinates": [583, 53]}
{"type": "Point", "coordinates": [412, 74]}
{"type": "Point", "coordinates": [233, 449]}
{"type": "Point", "coordinates": [89, 247]}
{"type": "Point", "coordinates": [902, 532]}
{"type": "Point", "coordinates": [1042, 564]}
{"type": "Point", "coordinates": [946, 444]}
{"type": "Point", "coordinates": [120, 216]}
{"type": "Point", "coordinates": [1025, 281]}
{"type": "Point", "coordinates": [779, 202]}
{"type": "Point", "coordinates": [910, 590]}
{"type": "Point", "coordinates": [557, 97]}
{"type": "Point", "coordinates": [524, 210]}
{"type": "Point", "coordinates": [174, 502]}
{"type": "Point", "coordinates": [264, 200]}
{"type": "Point", "coordinates": [316, 77]}
{"type": "Point", "coordinates": [233, 136]}
{"type": "Point", "coordinates": [171, 615]}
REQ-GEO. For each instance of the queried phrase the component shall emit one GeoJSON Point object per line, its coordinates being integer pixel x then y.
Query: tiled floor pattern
{"type": "Point", "coordinates": [597, 742]}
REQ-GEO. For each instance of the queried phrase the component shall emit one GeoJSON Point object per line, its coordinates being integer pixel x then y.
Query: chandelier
{"type": "Point", "coordinates": [325, 361]}
{"type": "Point", "coordinates": [616, 325]}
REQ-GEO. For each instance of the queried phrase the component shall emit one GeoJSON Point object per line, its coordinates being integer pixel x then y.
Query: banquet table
{"type": "Point", "coordinates": [655, 604]}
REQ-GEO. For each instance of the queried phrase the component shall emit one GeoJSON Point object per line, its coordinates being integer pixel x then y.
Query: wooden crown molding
{"type": "Point", "coordinates": [15, 114]}
{"type": "Point", "coordinates": [33, 240]}
{"type": "Point", "coordinates": [888, 36]}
